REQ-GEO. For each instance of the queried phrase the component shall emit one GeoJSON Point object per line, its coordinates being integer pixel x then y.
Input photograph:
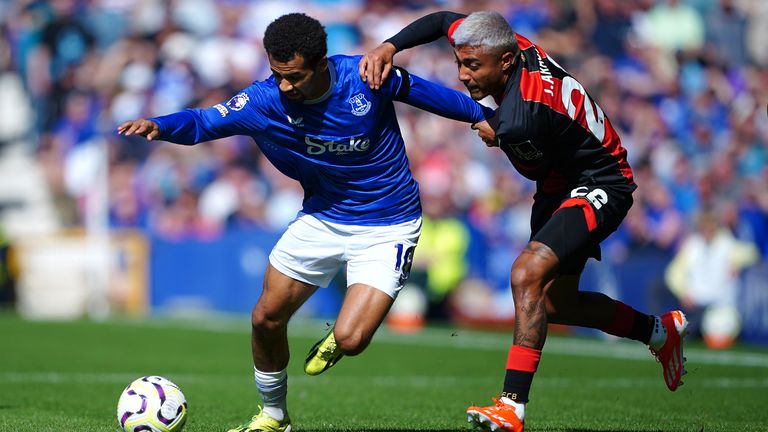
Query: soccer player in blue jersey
{"type": "Point", "coordinates": [318, 123]}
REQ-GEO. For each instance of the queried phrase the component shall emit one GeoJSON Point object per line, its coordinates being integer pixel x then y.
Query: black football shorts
{"type": "Point", "coordinates": [574, 224]}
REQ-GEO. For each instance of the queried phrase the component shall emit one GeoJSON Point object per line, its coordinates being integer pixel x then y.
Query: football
{"type": "Point", "coordinates": [152, 404]}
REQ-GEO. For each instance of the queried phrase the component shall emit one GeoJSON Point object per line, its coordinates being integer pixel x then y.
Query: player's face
{"type": "Point", "coordinates": [482, 71]}
{"type": "Point", "coordinates": [298, 81]}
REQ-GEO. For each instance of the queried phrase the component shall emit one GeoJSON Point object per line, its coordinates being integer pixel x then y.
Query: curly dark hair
{"type": "Point", "coordinates": [293, 34]}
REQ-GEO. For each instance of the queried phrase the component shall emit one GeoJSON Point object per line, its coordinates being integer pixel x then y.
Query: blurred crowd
{"type": "Point", "coordinates": [685, 82]}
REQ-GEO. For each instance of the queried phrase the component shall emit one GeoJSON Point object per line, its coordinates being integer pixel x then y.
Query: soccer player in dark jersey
{"type": "Point", "coordinates": [318, 123]}
{"type": "Point", "coordinates": [553, 133]}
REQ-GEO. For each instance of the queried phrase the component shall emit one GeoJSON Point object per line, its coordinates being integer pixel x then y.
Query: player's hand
{"type": "Point", "coordinates": [375, 65]}
{"type": "Point", "coordinates": [143, 127]}
{"type": "Point", "coordinates": [486, 133]}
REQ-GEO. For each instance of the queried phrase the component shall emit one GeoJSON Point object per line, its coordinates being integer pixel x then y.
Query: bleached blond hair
{"type": "Point", "coordinates": [486, 29]}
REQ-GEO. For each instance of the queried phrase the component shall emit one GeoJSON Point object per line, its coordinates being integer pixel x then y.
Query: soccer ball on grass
{"type": "Point", "coordinates": [152, 404]}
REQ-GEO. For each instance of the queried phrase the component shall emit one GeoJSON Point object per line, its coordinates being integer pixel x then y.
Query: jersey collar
{"type": "Point", "coordinates": [332, 84]}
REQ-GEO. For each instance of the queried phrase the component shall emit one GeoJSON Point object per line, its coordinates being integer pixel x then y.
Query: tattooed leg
{"type": "Point", "coordinates": [532, 273]}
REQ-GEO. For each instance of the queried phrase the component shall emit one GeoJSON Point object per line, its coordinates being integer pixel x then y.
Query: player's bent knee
{"type": "Point", "coordinates": [525, 279]}
{"type": "Point", "coordinates": [351, 342]}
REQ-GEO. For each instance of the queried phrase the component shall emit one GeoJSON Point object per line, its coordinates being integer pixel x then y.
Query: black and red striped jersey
{"type": "Point", "coordinates": [552, 131]}
{"type": "Point", "coordinates": [547, 124]}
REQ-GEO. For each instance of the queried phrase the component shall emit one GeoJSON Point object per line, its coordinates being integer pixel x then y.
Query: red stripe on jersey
{"type": "Point", "coordinates": [549, 92]}
{"type": "Point", "coordinates": [524, 44]}
{"type": "Point", "coordinates": [586, 207]}
{"type": "Point", "coordinates": [612, 142]}
{"type": "Point", "coordinates": [533, 88]}
{"type": "Point", "coordinates": [452, 29]}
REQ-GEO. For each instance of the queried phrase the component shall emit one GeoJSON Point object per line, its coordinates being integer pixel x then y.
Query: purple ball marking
{"type": "Point", "coordinates": [160, 416]}
{"type": "Point", "coordinates": [143, 405]}
{"type": "Point", "coordinates": [124, 418]}
{"type": "Point", "coordinates": [142, 428]}
{"type": "Point", "coordinates": [162, 419]}
{"type": "Point", "coordinates": [160, 392]}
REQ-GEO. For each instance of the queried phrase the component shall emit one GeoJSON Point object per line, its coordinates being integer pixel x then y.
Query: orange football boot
{"type": "Point", "coordinates": [499, 417]}
{"type": "Point", "coordinates": [670, 355]}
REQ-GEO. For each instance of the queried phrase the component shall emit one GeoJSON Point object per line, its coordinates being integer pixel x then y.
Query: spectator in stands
{"type": "Point", "coordinates": [705, 272]}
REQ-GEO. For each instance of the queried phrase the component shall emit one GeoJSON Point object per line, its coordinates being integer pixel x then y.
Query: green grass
{"type": "Point", "coordinates": [67, 376]}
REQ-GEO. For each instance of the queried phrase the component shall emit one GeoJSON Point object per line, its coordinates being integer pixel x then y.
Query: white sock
{"type": "Point", "coordinates": [658, 334]}
{"type": "Point", "coordinates": [519, 407]}
{"type": "Point", "coordinates": [273, 389]}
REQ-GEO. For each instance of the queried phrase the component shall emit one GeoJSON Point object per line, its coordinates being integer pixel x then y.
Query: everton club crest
{"type": "Point", "coordinates": [360, 105]}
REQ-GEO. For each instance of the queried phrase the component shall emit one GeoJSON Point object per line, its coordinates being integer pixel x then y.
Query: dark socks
{"type": "Point", "coordinates": [522, 363]}
{"type": "Point", "coordinates": [517, 384]}
{"type": "Point", "coordinates": [631, 324]}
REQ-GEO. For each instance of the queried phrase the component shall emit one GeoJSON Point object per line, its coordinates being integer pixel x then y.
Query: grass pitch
{"type": "Point", "coordinates": [67, 376]}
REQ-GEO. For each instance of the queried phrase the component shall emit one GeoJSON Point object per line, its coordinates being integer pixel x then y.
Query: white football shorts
{"type": "Point", "coordinates": [313, 250]}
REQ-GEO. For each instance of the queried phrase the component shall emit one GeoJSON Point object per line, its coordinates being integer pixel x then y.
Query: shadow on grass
{"type": "Point", "coordinates": [558, 429]}
{"type": "Point", "coordinates": [386, 430]}
{"type": "Point", "coordinates": [465, 429]}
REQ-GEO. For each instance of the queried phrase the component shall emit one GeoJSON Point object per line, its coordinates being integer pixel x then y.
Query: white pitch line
{"type": "Point", "coordinates": [574, 347]}
{"type": "Point", "coordinates": [413, 381]}
{"type": "Point", "coordinates": [486, 341]}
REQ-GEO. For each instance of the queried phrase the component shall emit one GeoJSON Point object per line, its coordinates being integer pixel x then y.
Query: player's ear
{"type": "Point", "coordinates": [322, 65]}
{"type": "Point", "coordinates": [507, 60]}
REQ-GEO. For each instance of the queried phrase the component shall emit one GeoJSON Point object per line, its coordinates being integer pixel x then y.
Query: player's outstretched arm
{"type": "Point", "coordinates": [376, 64]}
{"type": "Point", "coordinates": [142, 127]}
{"type": "Point", "coordinates": [238, 116]}
{"type": "Point", "coordinates": [443, 101]}
{"type": "Point", "coordinates": [187, 127]}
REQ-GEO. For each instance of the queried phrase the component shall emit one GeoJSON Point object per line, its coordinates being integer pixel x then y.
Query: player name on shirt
{"type": "Point", "coordinates": [546, 74]}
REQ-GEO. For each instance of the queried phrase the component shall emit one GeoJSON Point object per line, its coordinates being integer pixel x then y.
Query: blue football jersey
{"type": "Point", "coordinates": [345, 148]}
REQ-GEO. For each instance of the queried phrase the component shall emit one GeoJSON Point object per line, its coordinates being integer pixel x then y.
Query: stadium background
{"type": "Point", "coordinates": [96, 224]}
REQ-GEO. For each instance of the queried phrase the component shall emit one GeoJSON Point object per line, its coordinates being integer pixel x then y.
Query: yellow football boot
{"type": "Point", "coordinates": [324, 354]}
{"type": "Point", "coordinates": [261, 422]}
